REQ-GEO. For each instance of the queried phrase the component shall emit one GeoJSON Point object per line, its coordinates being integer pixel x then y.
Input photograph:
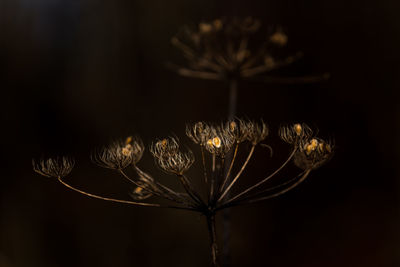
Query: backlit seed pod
{"type": "Point", "coordinates": [165, 147]}
{"type": "Point", "coordinates": [257, 132]}
{"type": "Point", "coordinates": [177, 163]}
{"type": "Point", "coordinates": [141, 192]}
{"type": "Point", "coordinates": [313, 153]}
{"type": "Point", "coordinates": [57, 167]}
{"type": "Point", "coordinates": [199, 132]}
{"type": "Point", "coordinates": [237, 130]}
{"type": "Point", "coordinates": [119, 154]}
{"type": "Point", "coordinates": [220, 145]}
{"type": "Point", "coordinates": [295, 133]}
{"type": "Point", "coordinates": [297, 128]}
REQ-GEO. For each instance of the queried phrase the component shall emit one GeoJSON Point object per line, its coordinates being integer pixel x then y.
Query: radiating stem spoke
{"type": "Point", "coordinates": [119, 200]}
{"type": "Point", "coordinates": [226, 179]}
{"type": "Point", "coordinates": [239, 173]}
{"type": "Point", "coordinates": [264, 180]}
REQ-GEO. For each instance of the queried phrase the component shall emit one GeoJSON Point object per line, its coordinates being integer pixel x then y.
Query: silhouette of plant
{"type": "Point", "coordinates": [215, 141]}
{"type": "Point", "coordinates": [222, 50]}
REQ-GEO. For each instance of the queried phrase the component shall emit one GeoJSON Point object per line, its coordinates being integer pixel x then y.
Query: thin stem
{"type": "Point", "coordinates": [178, 198]}
{"type": "Point", "coordinates": [236, 203]}
{"type": "Point", "coordinates": [253, 196]}
{"type": "Point", "coordinates": [206, 75]}
{"type": "Point", "coordinates": [264, 180]}
{"type": "Point", "coordinates": [280, 192]}
{"type": "Point", "coordinates": [213, 239]}
{"type": "Point", "coordinates": [188, 188]}
{"type": "Point", "coordinates": [239, 173]}
{"type": "Point", "coordinates": [163, 187]}
{"type": "Point", "coordinates": [137, 184]}
{"type": "Point", "coordinates": [212, 177]}
{"type": "Point", "coordinates": [265, 68]}
{"type": "Point", "coordinates": [226, 179]}
{"type": "Point", "coordinates": [203, 158]}
{"type": "Point", "coordinates": [120, 200]}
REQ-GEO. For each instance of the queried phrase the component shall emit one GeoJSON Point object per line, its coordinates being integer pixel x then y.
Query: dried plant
{"type": "Point", "coordinates": [226, 49]}
{"type": "Point", "coordinates": [215, 142]}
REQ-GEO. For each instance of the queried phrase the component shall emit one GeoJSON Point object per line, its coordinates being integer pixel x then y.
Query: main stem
{"type": "Point", "coordinates": [213, 239]}
{"type": "Point", "coordinates": [226, 214]}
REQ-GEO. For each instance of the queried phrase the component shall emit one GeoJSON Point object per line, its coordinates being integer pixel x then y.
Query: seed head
{"type": "Point", "coordinates": [57, 167]}
{"type": "Point", "coordinates": [237, 129]}
{"type": "Point", "coordinates": [295, 133]}
{"type": "Point", "coordinates": [255, 132]}
{"type": "Point", "coordinates": [141, 192]}
{"type": "Point", "coordinates": [313, 153]}
{"type": "Point", "coordinates": [165, 147]}
{"type": "Point", "coordinates": [199, 132]}
{"type": "Point", "coordinates": [169, 158]}
{"type": "Point", "coordinates": [120, 154]}
{"type": "Point", "coordinates": [223, 48]}
{"type": "Point", "coordinates": [220, 140]}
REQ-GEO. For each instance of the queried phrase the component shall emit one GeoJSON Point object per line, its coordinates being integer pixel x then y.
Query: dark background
{"type": "Point", "coordinates": [75, 74]}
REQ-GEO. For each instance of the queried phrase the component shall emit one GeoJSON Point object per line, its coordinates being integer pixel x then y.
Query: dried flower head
{"type": "Point", "coordinates": [140, 194]}
{"type": "Point", "coordinates": [220, 143]}
{"type": "Point", "coordinates": [165, 147]}
{"type": "Point", "coordinates": [199, 133]}
{"type": "Point", "coordinates": [120, 154]}
{"type": "Point", "coordinates": [295, 133]}
{"type": "Point", "coordinates": [57, 167]}
{"type": "Point", "coordinates": [257, 132]}
{"type": "Point", "coordinates": [143, 190]}
{"type": "Point", "coordinates": [169, 158]}
{"type": "Point", "coordinates": [237, 129]}
{"type": "Point", "coordinates": [313, 153]}
{"type": "Point", "coordinates": [222, 48]}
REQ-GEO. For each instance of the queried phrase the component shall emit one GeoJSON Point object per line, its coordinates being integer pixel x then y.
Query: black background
{"type": "Point", "coordinates": [75, 74]}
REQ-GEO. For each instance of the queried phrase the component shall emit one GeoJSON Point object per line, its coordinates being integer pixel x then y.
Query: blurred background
{"type": "Point", "coordinates": [76, 74]}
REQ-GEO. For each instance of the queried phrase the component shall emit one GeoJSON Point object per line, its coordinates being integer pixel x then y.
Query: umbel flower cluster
{"type": "Point", "coordinates": [224, 48]}
{"type": "Point", "coordinates": [216, 142]}
{"type": "Point", "coordinates": [218, 146]}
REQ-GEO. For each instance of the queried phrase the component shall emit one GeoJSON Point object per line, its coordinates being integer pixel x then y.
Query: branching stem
{"type": "Point", "coordinates": [120, 200]}
{"type": "Point", "coordinates": [238, 174]}
{"type": "Point", "coordinates": [264, 180]}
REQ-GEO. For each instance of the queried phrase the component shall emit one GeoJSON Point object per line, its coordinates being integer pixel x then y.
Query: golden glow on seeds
{"type": "Point", "coordinates": [216, 142]}
{"type": "Point", "coordinates": [205, 27]}
{"type": "Point", "coordinates": [297, 128]}
{"type": "Point", "coordinates": [311, 146]}
{"type": "Point", "coordinates": [210, 142]}
{"type": "Point", "coordinates": [164, 143]}
{"type": "Point", "coordinates": [128, 140]}
{"type": "Point", "coordinates": [232, 126]}
{"type": "Point", "coordinates": [127, 150]}
{"type": "Point", "coordinates": [138, 190]}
